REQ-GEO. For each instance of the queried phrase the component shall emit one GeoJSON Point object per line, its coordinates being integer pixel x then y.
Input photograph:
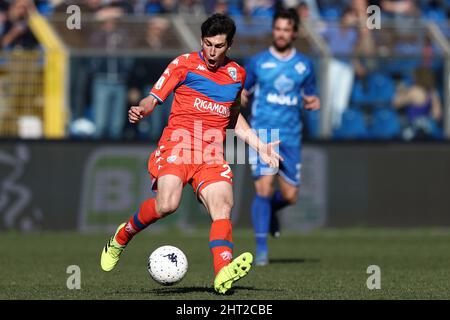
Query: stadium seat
{"type": "Point", "coordinates": [263, 12]}
{"type": "Point", "coordinates": [385, 124]}
{"type": "Point", "coordinates": [360, 93]}
{"type": "Point", "coordinates": [331, 13]}
{"type": "Point", "coordinates": [381, 89]}
{"type": "Point", "coordinates": [353, 125]}
{"type": "Point", "coordinates": [45, 9]}
{"type": "Point", "coordinates": [378, 90]}
{"type": "Point", "coordinates": [235, 11]}
{"type": "Point", "coordinates": [403, 66]}
{"type": "Point", "coordinates": [435, 14]}
{"type": "Point", "coordinates": [153, 8]}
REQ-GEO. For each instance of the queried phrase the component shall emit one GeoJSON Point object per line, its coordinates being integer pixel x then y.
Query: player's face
{"type": "Point", "coordinates": [283, 34]}
{"type": "Point", "coordinates": [214, 50]}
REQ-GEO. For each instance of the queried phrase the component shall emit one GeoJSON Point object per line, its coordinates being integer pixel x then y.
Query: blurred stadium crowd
{"type": "Point", "coordinates": [428, 9]}
{"type": "Point", "coordinates": [382, 84]}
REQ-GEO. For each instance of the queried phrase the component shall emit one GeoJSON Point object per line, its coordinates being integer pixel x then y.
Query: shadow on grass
{"type": "Point", "coordinates": [179, 290]}
{"type": "Point", "coordinates": [183, 290]}
{"type": "Point", "coordinates": [170, 291]}
{"type": "Point", "coordinates": [292, 261]}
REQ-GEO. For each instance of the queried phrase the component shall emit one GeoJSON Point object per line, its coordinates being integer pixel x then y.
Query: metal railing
{"type": "Point", "coordinates": [21, 94]}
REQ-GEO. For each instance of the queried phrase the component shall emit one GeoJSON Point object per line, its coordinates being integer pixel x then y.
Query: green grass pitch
{"type": "Point", "coordinates": [324, 264]}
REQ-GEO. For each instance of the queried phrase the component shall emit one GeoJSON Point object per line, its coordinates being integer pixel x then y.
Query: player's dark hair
{"type": "Point", "coordinates": [290, 14]}
{"type": "Point", "coordinates": [219, 24]}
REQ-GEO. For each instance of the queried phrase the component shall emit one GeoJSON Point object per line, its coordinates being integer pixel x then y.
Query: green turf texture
{"type": "Point", "coordinates": [324, 264]}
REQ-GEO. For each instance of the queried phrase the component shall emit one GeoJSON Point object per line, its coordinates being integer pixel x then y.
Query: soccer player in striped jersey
{"type": "Point", "coordinates": [206, 86]}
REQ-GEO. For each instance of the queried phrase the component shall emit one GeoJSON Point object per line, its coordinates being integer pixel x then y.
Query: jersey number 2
{"type": "Point", "coordinates": [226, 172]}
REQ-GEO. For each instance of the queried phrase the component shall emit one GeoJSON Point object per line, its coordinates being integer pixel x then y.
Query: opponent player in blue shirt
{"type": "Point", "coordinates": [280, 82]}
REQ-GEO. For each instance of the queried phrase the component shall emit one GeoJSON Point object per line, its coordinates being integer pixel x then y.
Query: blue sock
{"type": "Point", "coordinates": [277, 202]}
{"type": "Point", "coordinates": [261, 212]}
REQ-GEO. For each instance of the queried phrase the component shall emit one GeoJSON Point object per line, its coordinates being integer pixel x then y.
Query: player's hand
{"type": "Point", "coordinates": [135, 114]}
{"type": "Point", "coordinates": [269, 155]}
{"type": "Point", "coordinates": [311, 102]}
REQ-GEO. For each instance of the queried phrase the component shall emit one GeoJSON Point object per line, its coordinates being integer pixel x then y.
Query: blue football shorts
{"type": "Point", "coordinates": [290, 168]}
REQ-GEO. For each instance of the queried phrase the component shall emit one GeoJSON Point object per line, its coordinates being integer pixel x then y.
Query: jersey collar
{"type": "Point", "coordinates": [274, 53]}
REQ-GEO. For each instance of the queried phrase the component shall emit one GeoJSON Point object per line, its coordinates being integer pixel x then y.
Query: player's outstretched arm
{"type": "Point", "coordinates": [265, 150]}
{"type": "Point", "coordinates": [145, 107]}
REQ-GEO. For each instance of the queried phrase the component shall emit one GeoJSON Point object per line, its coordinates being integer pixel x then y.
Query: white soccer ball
{"type": "Point", "coordinates": [167, 265]}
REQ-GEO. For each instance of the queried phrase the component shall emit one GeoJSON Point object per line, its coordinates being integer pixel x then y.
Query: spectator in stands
{"type": "Point", "coordinates": [308, 12]}
{"type": "Point", "coordinates": [145, 73]}
{"type": "Point", "coordinates": [304, 13]}
{"type": "Point", "coordinates": [359, 7]}
{"type": "Point", "coordinates": [92, 6]}
{"type": "Point", "coordinates": [404, 12]}
{"type": "Point", "coordinates": [399, 8]}
{"type": "Point", "coordinates": [80, 65]}
{"type": "Point", "coordinates": [422, 105]}
{"type": "Point", "coordinates": [110, 74]}
{"type": "Point", "coordinates": [169, 6]}
{"type": "Point", "coordinates": [16, 33]}
{"type": "Point", "coordinates": [365, 51]}
{"type": "Point", "coordinates": [342, 39]}
{"type": "Point", "coordinates": [4, 103]}
{"type": "Point", "coordinates": [306, 9]}
{"type": "Point", "coordinates": [156, 36]}
{"type": "Point", "coordinates": [191, 7]}
{"type": "Point", "coordinates": [126, 6]}
{"type": "Point", "coordinates": [365, 63]}
{"type": "Point", "coordinates": [365, 48]}
{"type": "Point", "coordinates": [18, 68]}
{"type": "Point", "coordinates": [89, 6]}
{"type": "Point", "coordinates": [221, 6]}
{"type": "Point", "coordinates": [110, 35]}
{"type": "Point", "coordinates": [3, 14]}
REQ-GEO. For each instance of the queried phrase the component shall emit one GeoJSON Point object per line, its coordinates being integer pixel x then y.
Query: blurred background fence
{"type": "Point", "coordinates": [21, 93]}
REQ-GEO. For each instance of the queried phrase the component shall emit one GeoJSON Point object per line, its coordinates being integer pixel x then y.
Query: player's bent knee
{"type": "Point", "coordinates": [264, 186]}
{"type": "Point", "coordinates": [221, 210]}
{"type": "Point", "coordinates": [264, 191]}
{"type": "Point", "coordinates": [291, 198]}
{"type": "Point", "coordinates": [166, 207]}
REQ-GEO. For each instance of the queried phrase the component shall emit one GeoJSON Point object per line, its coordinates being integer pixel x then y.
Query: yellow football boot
{"type": "Point", "coordinates": [237, 269]}
{"type": "Point", "coordinates": [111, 252]}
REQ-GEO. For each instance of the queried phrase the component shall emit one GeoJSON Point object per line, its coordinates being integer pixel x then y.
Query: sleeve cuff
{"type": "Point", "coordinates": [160, 101]}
